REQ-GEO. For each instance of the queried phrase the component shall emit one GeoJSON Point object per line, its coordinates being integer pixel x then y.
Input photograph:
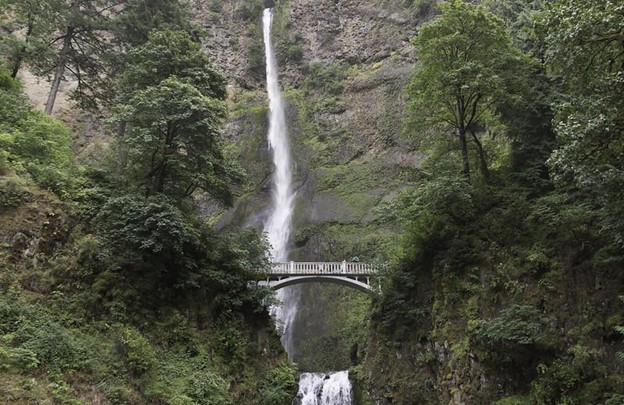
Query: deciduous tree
{"type": "Point", "coordinates": [584, 49]}
{"type": "Point", "coordinates": [468, 65]}
{"type": "Point", "coordinates": [172, 118]}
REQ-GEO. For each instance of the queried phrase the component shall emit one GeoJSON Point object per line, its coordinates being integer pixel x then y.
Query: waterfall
{"type": "Point", "coordinates": [279, 223]}
{"type": "Point", "coordinates": [314, 388]}
{"type": "Point", "coordinates": [322, 389]}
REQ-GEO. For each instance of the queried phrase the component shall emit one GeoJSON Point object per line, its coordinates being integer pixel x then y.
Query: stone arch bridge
{"type": "Point", "coordinates": [352, 274]}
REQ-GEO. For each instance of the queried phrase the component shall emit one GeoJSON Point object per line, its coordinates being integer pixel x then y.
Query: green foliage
{"type": "Point", "coordinates": [172, 121]}
{"type": "Point", "coordinates": [289, 52]}
{"type": "Point", "coordinates": [516, 325]}
{"type": "Point", "coordinates": [519, 16]}
{"type": "Point", "coordinates": [172, 141]}
{"type": "Point", "coordinates": [13, 189]}
{"type": "Point", "coordinates": [32, 339]}
{"type": "Point", "coordinates": [18, 357]}
{"type": "Point", "coordinates": [52, 345]}
{"type": "Point", "coordinates": [582, 43]}
{"type": "Point", "coordinates": [139, 18]}
{"type": "Point", "coordinates": [419, 6]}
{"type": "Point", "coordinates": [561, 381]}
{"type": "Point", "coordinates": [7, 83]}
{"type": "Point", "coordinates": [279, 386]}
{"type": "Point", "coordinates": [255, 58]}
{"type": "Point", "coordinates": [152, 251]}
{"type": "Point", "coordinates": [620, 329]}
{"type": "Point", "coordinates": [468, 65]}
{"type": "Point", "coordinates": [250, 11]}
{"type": "Point", "coordinates": [170, 53]}
{"type": "Point", "coordinates": [616, 399]}
{"type": "Point", "coordinates": [36, 20]}
{"type": "Point", "coordinates": [515, 400]}
{"type": "Point", "coordinates": [327, 79]}
{"type": "Point", "coordinates": [136, 350]}
{"type": "Point", "coordinates": [153, 234]}
{"type": "Point", "coordinates": [208, 389]}
{"type": "Point", "coordinates": [33, 143]}
{"type": "Point", "coordinates": [432, 215]}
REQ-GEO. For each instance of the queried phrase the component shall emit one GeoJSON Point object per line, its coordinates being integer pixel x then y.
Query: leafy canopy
{"type": "Point", "coordinates": [172, 112]}
{"type": "Point", "coordinates": [32, 143]}
{"type": "Point", "coordinates": [467, 64]}
{"type": "Point", "coordinates": [584, 48]}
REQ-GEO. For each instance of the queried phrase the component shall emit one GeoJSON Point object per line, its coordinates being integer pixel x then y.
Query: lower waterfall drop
{"type": "Point", "coordinates": [322, 389]}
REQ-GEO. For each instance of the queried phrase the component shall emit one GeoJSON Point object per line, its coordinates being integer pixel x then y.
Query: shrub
{"type": "Point", "coordinates": [34, 338]}
{"type": "Point", "coordinates": [53, 345]}
{"type": "Point", "coordinates": [12, 191]}
{"type": "Point", "coordinates": [135, 350]}
{"type": "Point", "coordinates": [36, 143]}
{"type": "Point", "coordinates": [255, 58]}
{"type": "Point", "coordinates": [289, 52]}
{"type": "Point", "coordinates": [7, 82]}
{"type": "Point", "coordinates": [516, 325]}
{"type": "Point", "coordinates": [207, 388]}
{"type": "Point", "coordinates": [250, 10]}
{"type": "Point", "coordinates": [562, 381]}
{"type": "Point", "coordinates": [419, 6]}
{"type": "Point", "coordinates": [19, 358]}
{"type": "Point", "coordinates": [280, 385]}
{"type": "Point", "coordinates": [616, 399]}
{"type": "Point", "coordinates": [325, 78]}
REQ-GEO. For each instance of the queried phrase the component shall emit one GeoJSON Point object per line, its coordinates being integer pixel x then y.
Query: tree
{"type": "Point", "coordinates": [584, 49]}
{"type": "Point", "coordinates": [36, 19]}
{"type": "Point", "coordinates": [172, 120]}
{"type": "Point", "coordinates": [519, 17]}
{"type": "Point", "coordinates": [468, 65]}
{"type": "Point", "coordinates": [139, 18]}
{"type": "Point", "coordinates": [171, 53]}
{"type": "Point", "coordinates": [80, 48]}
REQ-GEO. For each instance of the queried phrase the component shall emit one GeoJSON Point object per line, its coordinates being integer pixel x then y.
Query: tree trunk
{"type": "Point", "coordinates": [123, 149]}
{"type": "Point", "coordinates": [483, 168]}
{"type": "Point", "coordinates": [60, 71]}
{"type": "Point", "coordinates": [20, 54]}
{"type": "Point", "coordinates": [464, 150]}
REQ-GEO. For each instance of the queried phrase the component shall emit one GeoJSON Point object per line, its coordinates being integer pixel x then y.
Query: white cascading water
{"type": "Point", "coordinates": [279, 223]}
{"type": "Point", "coordinates": [324, 389]}
{"type": "Point", "coordinates": [314, 388]}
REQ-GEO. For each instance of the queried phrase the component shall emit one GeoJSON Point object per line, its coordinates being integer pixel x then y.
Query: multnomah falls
{"type": "Point", "coordinates": [314, 388]}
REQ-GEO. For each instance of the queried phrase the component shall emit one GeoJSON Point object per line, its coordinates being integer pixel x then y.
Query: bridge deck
{"type": "Point", "coordinates": [321, 268]}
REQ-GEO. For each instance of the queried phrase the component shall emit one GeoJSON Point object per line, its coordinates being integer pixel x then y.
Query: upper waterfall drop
{"type": "Point", "coordinates": [279, 224]}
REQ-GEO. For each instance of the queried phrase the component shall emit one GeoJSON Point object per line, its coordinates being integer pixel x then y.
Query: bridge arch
{"type": "Point", "coordinates": [362, 286]}
{"type": "Point", "coordinates": [351, 274]}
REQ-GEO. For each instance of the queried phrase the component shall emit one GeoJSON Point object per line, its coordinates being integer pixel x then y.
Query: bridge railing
{"type": "Point", "coordinates": [354, 268]}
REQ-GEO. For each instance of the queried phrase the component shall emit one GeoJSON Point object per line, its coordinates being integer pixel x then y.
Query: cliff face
{"type": "Point", "coordinates": [343, 68]}
{"type": "Point", "coordinates": [344, 65]}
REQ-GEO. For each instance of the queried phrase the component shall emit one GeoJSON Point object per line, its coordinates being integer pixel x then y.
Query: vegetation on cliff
{"type": "Point", "coordinates": [113, 289]}
{"type": "Point", "coordinates": [506, 280]}
{"type": "Point", "coordinates": [502, 287]}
